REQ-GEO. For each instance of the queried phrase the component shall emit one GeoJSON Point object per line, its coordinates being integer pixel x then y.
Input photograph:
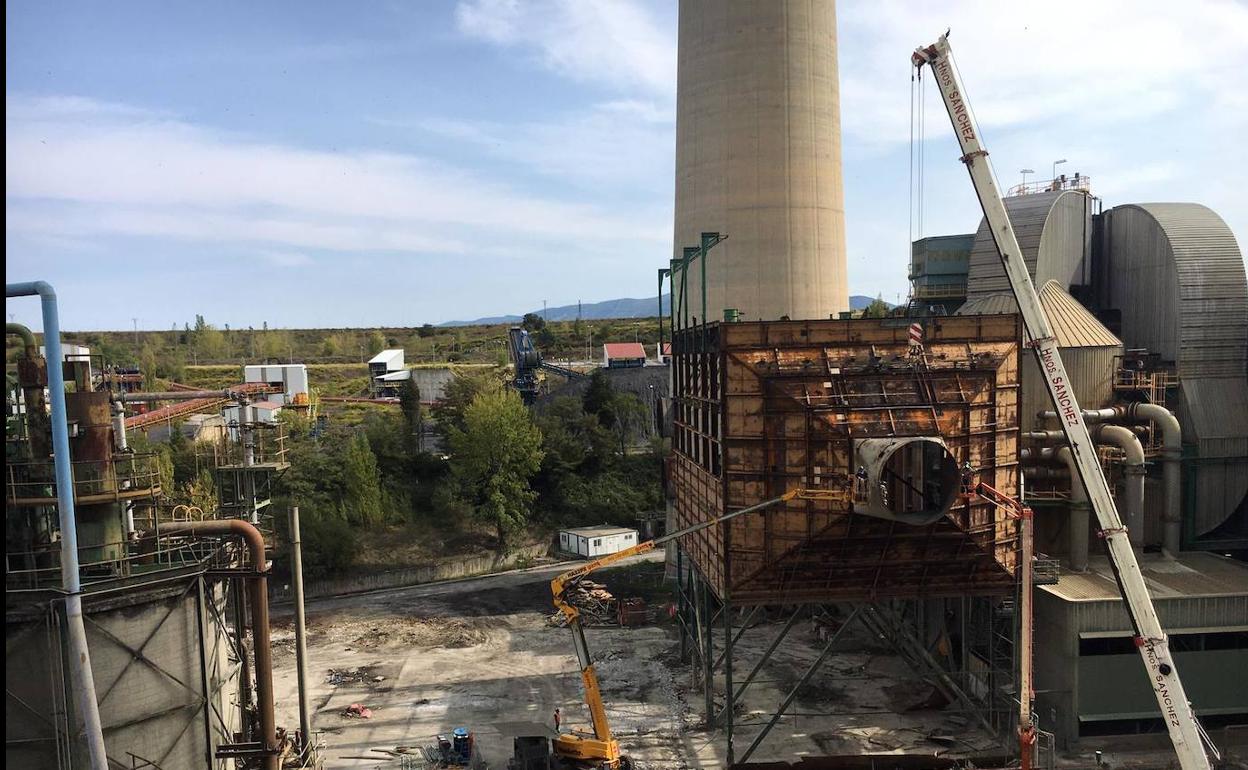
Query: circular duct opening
{"type": "Point", "coordinates": [911, 480]}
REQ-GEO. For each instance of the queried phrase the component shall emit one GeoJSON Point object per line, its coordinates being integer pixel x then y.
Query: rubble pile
{"type": "Point", "coordinates": [596, 603]}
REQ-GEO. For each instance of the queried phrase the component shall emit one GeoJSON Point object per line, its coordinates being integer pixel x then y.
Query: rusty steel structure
{"type": "Point", "coordinates": [765, 407]}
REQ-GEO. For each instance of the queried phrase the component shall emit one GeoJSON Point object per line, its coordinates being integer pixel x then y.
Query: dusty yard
{"type": "Point", "coordinates": [480, 654]}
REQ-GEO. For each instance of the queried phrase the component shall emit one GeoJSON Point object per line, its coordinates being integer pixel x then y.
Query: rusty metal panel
{"type": "Point", "coordinates": [790, 400]}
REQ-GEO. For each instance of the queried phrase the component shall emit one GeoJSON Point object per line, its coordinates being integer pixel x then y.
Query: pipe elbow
{"type": "Point", "coordinates": [1124, 439]}
{"type": "Point", "coordinates": [44, 290]}
{"type": "Point", "coordinates": [1171, 431]}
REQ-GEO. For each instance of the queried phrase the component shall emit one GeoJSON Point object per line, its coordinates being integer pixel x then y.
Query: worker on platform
{"type": "Point", "coordinates": [558, 719]}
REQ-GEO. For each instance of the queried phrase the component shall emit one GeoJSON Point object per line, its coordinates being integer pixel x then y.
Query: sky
{"type": "Point", "coordinates": [330, 164]}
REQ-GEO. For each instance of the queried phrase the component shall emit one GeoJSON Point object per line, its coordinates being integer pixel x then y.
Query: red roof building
{"type": "Point", "coordinates": [619, 354]}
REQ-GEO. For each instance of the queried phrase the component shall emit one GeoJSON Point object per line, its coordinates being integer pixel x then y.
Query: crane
{"type": "Point", "coordinates": [599, 748]}
{"type": "Point", "coordinates": [1151, 641]}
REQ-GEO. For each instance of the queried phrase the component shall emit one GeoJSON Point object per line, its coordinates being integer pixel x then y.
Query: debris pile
{"type": "Point", "coordinates": [596, 603]}
{"type": "Point", "coordinates": [359, 675]}
{"type": "Point", "coordinates": [358, 711]}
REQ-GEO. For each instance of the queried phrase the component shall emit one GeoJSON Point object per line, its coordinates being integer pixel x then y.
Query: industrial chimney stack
{"type": "Point", "coordinates": [758, 156]}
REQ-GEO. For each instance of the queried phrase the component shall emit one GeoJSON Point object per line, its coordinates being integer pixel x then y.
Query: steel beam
{"type": "Point", "coordinates": [801, 682]}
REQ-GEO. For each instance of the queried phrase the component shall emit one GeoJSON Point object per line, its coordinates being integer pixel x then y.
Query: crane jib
{"type": "Point", "coordinates": [1185, 732]}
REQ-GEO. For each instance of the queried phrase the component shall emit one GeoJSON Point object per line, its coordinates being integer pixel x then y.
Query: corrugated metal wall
{"type": "Point", "coordinates": [1054, 231]}
{"type": "Point", "coordinates": [1177, 275]}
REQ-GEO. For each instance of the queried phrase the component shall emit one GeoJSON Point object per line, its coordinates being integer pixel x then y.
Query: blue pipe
{"type": "Point", "coordinates": [70, 580]}
{"type": "Point", "coordinates": [83, 681]}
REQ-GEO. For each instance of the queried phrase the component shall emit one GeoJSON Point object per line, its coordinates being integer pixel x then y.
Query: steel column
{"type": "Point", "coordinates": [801, 682]}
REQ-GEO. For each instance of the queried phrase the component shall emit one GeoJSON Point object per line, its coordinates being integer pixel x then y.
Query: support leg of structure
{"type": "Point", "coordinates": [801, 682]}
{"type": "Point", "coordinates": [201, 628]}
{"type": "Point", "coordinates": [708, 652]}
{"type": "Point", "coordinates": [682, 605]}
{"type": "Point", "coordinates": [736, 696]}
{"type": "Point", "coordinates": [728, 714]}
{"type": "Point", "coordinates": [740, 631]}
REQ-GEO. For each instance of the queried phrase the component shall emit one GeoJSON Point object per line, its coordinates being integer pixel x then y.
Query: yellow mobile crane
{"type": "Point", "coordinates": [599, 749]}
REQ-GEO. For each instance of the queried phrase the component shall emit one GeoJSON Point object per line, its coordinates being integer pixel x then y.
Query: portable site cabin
{"type": "Point", "coordinates": [592, 542]}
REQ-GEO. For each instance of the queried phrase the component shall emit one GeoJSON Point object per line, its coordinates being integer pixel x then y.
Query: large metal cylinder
{"type": "Point", "coordinates": [912, 480]}
{"type": "Point", "coordinates": [758, 157]}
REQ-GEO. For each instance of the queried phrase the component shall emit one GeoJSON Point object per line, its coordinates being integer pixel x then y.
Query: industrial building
{"type": "Point", "coordinates": [1148, 306]}
{"type": "Point", "coordinates": [137, 634]}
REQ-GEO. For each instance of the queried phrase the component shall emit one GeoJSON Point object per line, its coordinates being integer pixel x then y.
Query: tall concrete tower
{"type": "Point", "coordinates": [758, 156]}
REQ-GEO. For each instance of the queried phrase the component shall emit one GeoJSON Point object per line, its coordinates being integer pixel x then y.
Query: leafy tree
{"type": "Point", "coordinates": [533, 322]}
{"type": "Point", "coordinates": [599, 399]}
{"type": "Point", "coordinates": [275, 344]}
{"type": "Point", "coordinates": [426, 330]}
{"type": "Point", "coordinates": [545, 338]}
{"type": "Point", "coordinates": [877, 309]}
{"type": "Point", "coordinates": [331, 347]}
{"type": "Point", "coordinates": [361, 500]}
{"type": "Point", "coordinates": [413, 419]}
{"type": "Point", "coordinates": [201, 492]}
{"type": "Point", "coordinates": [376, 342]}
{"type": "Point", "coordinates": [494, 457]}
{"type": "Point", "coordinates": [150, 368]}
{"type": "Point", "coordinates": [459, 393]}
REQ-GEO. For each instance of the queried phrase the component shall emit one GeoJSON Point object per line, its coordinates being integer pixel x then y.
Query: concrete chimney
{"type": "Point", "coordinates": [758, 157]}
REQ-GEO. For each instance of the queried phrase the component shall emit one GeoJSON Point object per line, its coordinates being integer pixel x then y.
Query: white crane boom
{"type": "Point", "coordinates": [1180, 719]}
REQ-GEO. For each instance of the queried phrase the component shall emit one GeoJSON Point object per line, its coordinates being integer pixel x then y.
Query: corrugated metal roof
{"type": "Point", "coordinates": [989, 304]}
{"type": "Point", "coordinates": [1073, 325]}
{"type": "Point", "coordinates": [385, 356]}
{"type": "Point", "coordinates": [624, 350]}
{"type": "Point", "coordinates": [1177, 274]}
{"type": "Point", "coordinates": [1189, 575]}
{"type": "Point", "coordinates": [1053, 230]}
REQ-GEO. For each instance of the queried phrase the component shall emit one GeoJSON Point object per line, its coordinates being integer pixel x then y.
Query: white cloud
{"type": "Point", "coordinates": [613, 42]}
{"type": "Point", "coordinates": [114, 169]}
{"type": "Point", "coordinates": [625, 147]}
{"type": "Point", "coordinates": [1036, 63]}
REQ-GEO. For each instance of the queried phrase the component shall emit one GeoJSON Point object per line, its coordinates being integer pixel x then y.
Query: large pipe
{"type": "Point", "coordinates": [1172, 454]}
{"type": "Point", "coordinates": [1089, 415]}
{"type": "Point", "coordinates": [170, 395]}
{"type": "Point", "coordinates": [1080, 509]}
{"type": "Point", "coordinates": [82, 680]}
{"type": "Point", "coordinates": [913, 480]}
{"type": "Point", "coordinates": [301, 646]}
{"type": "Point", "coordinates": [28, 337]}
{"type": "Point", "coordinates": [1080, 512]}
{"type": "Point", "coordinates": [1125, 439]}
{"type": "Point", "coordinates": [259, 617]}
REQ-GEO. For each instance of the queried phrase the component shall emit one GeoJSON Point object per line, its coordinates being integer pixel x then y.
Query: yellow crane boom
{"type": "Point", "coordinates": [600, 748]}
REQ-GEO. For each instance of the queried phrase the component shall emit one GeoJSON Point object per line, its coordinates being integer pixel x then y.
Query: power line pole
{"type": "Point", "coordinates": [136, 330]}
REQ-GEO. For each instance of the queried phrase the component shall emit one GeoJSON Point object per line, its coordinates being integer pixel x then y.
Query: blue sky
{"type": "Point", "coordinates": [355, 164]}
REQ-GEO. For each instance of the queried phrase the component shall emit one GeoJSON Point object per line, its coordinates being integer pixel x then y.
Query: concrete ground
{"type": "Point", "coordinates": [479, 653]}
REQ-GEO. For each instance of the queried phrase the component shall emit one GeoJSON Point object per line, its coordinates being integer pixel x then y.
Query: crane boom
{"type": "Point", "coordinates": [1150, 639]}
{"type": "Point", "coordinates": [601, 746]}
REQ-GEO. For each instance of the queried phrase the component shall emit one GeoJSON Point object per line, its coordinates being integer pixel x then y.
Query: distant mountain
{"type": "Point", "coordinates": [611, 308]}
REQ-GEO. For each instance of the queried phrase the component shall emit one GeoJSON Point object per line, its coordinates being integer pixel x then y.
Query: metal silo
{"type": "Point", "coordinates": [758, 157]}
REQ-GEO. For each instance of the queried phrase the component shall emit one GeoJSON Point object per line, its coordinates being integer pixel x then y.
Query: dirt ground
{"type": "Point", "coordinates": [480, 654]}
